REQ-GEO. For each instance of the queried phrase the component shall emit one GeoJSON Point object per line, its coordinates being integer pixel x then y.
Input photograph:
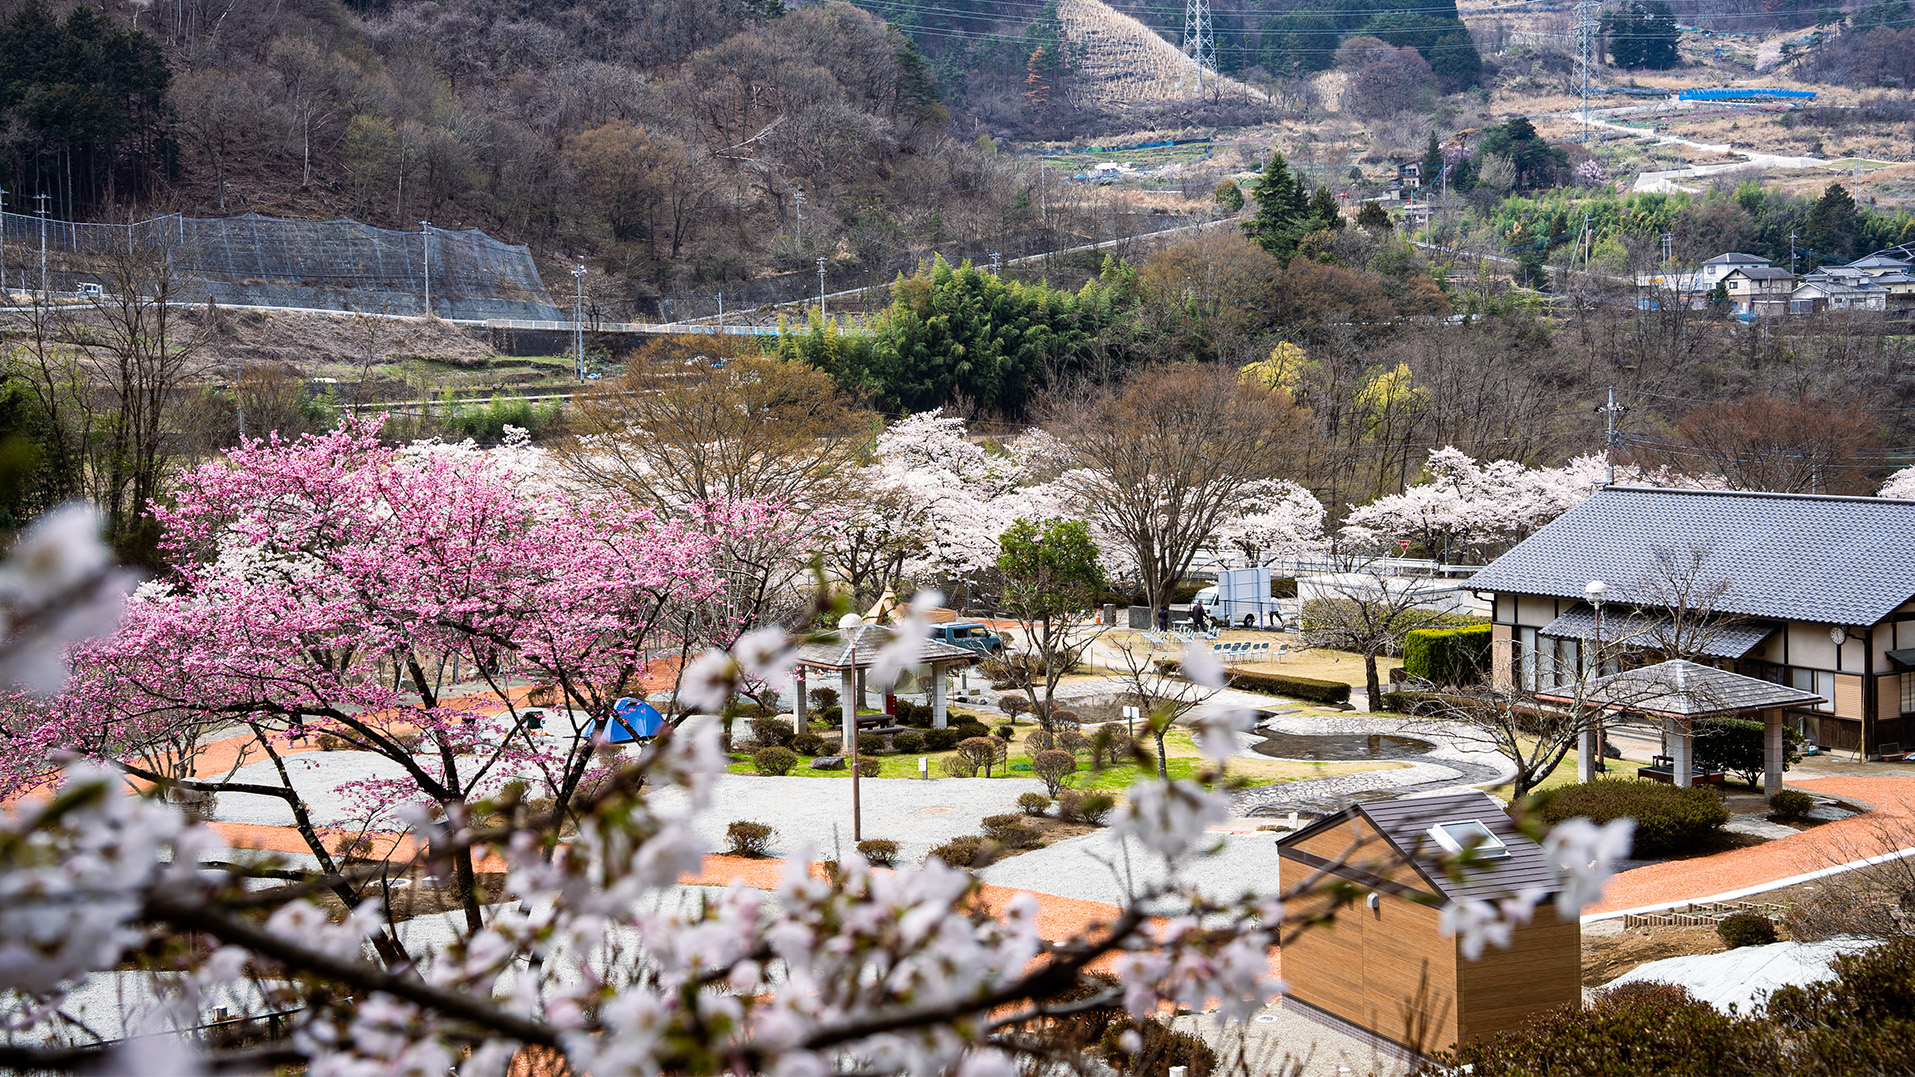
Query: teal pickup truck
{"type": "Point", "coordinates": [969, 635]}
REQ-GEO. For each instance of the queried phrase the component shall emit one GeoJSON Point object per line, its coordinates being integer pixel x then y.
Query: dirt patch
{"type": "Point", "coordinates": [1606, 957]}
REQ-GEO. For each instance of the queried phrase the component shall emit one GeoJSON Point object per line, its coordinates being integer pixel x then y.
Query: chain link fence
{"type": "Point", "coordinates": [310, 265]}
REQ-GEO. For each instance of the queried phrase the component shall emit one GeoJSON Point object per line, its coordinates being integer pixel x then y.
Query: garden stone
{"type": "Point", "coordinates": [828, 762]}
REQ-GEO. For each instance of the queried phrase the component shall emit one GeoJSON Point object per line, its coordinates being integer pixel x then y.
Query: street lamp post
{"type": "Point", "coordinates": [1589, 742]}
{"type": "Point", "coordinates": [425, 245]}
{"type": "Point", "coordinates": [821, 291]}
{"type": "Point", "coordinates": [578, 322]}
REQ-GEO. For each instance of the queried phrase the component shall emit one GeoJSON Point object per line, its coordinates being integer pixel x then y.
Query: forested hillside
{"type": "Point", "coordinates": [670, 140]}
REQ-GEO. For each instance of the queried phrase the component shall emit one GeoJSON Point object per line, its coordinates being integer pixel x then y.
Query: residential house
{"type": "Point", "coordinates": [1695, 284]}
{"type": "Point", "coordinates": [1841, 288]}
{"type": "Point", "coordinates": [1760, 290]}
{"type": "Point", "coordinates": [1812, 591]}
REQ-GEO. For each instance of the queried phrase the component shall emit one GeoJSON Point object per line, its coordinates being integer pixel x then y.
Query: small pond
{"type": "Point", "coordinates": [1339, 747]}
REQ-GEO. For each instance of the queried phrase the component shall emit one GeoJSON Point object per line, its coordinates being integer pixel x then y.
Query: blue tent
{"type": "Point", "coordinates": [631, 719]}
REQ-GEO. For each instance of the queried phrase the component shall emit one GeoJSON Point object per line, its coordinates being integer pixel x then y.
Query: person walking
{"type": "Point", "coordinates": [1163, 618]}
{"type": "Point", "coordinates": [1197, 618]}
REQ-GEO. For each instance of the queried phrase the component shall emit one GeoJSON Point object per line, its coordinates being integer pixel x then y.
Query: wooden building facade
{"type": "Point", "coordinates": [1384, 963]}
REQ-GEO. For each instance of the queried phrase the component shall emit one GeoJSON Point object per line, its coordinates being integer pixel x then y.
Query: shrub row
{"type": "Point", "coordinates": [1312, 689]}
{"type": "Point", "coordinates": [1447, 656]}
{"type": "Point", "coordinates": [1668, 820]}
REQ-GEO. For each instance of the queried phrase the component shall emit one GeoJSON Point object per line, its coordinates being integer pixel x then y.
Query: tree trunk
{"type": "Point", "coordinates": [1163, 768]}
{"type": "Point", "coordinates": [1370, 684]}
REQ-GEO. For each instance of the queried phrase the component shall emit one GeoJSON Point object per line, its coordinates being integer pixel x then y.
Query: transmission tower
{"type": "Point", "coordinates": [1199, 44]}
{"type": "Point", "coordinates": [1587, 15]}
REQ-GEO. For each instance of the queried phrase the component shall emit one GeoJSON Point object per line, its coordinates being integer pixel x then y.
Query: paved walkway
{"type": "Point", "coordinates": [1889, 826]}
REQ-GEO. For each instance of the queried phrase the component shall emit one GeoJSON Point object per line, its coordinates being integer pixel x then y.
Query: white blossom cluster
{"type": "Point", "coordinates": [58, 586]}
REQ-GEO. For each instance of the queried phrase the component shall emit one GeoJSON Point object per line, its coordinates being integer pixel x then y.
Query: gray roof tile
{"type": "Point", "coordinates": [1689, 690]}
{"type": "Point", "coordinates": [856, 648]}
{"type": "Point", "coordinates": [1832, 560]}
{"type": "Point", "coordinates": [1658, 632]}
{"type": "Point", "coordinates": [1405, 823]}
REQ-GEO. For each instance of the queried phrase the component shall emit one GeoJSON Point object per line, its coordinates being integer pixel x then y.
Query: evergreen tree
{"type": "Point", "coordinates": [1323, 211]}
{"type": "Point", "coordinates": [1283, 214]}
{"type": "Point", "coordinates": [1643, 35]}
{"type": "Point", "coordinates": [1432, 161]}
{"type": "Point", "coordinates": [1373, 218]}
{"type": "Point", "coordinates": [1829, 229]}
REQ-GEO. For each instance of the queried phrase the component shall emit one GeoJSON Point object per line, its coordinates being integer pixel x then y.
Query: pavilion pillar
{"type": "Point", "coordinates": [861, 689]}
{"type": "Point", "coordinates": [1588, 749]}
{"type": "Point", "coordinates": [938, 676]}
{"type": "Point", "coordinates": [799, 717]}
{"type": "Point", "coordinates": [848, 704]}
{"type": "Point", "coordinates": [1682, 748]}
{"type": "Point", "coordinates": [1773, 755]}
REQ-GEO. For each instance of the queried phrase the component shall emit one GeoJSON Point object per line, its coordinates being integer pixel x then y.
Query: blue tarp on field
{"type": "Point", "coordinates": [632, 719]}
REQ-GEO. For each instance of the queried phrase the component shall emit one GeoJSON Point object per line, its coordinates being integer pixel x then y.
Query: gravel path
{"type": "Point", "coordinates": [916, 814]}
{"type": "Point", "coordinates": [1098, 867]}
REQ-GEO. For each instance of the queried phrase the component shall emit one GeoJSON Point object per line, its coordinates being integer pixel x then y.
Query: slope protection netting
{"type": "Point", "coordinates": [321, 265]}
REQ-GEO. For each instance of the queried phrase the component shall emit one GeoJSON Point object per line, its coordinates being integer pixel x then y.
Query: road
{"type": "Point", "coordinates": [1664, 181]}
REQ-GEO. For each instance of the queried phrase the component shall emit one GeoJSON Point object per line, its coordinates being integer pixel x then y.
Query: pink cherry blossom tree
{"type": "Point", "coordinates": [325, 586]}
{"type": "Point", "coordinates": [1900, 484]}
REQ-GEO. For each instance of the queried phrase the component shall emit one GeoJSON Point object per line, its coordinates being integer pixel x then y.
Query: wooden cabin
{"type": "Point", "coordinates": [1383, 964]}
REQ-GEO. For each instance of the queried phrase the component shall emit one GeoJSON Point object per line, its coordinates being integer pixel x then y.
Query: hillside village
{"type": "Point", "coordinates": [977, 537]}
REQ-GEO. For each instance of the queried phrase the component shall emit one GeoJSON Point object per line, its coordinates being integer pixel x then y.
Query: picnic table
{"type": "Point", "coordinates": [1663, 769]}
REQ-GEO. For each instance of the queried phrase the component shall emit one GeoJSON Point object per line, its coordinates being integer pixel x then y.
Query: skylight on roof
{"type": "Point", "coordinates": [1469, 834]}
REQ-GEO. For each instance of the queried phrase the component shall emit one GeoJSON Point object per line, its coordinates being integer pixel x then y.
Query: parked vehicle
{"type": "Point", "coordinates": [969, 635]}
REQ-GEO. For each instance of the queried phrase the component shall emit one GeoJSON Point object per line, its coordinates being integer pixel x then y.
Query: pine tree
{"type": "Point", "coordinates": [1373, 217]}
{"type": "Point", "coordinates": [1324, 212]}
{"type": "Point", "coordinates": [1283, 212]}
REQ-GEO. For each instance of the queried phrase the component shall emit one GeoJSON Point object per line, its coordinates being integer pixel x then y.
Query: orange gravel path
{"type": "Point", "coordinates": [1890, 826]}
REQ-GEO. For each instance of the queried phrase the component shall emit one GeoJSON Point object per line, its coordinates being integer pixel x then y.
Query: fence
{"type": "Point", "coordinates": [316, 265]}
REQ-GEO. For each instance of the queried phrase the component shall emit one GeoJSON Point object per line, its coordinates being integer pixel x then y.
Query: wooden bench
{"type": "Point", "coordinates": [1663, 769]}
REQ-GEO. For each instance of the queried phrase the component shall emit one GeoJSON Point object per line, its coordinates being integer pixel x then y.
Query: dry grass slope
{"type": "Point", "coordinates": [1128, 64]}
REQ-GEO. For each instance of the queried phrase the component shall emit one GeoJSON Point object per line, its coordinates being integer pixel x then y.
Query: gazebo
{"type": "Point", "coordinates": [852, 649]}
{"type": "Point", "coordinates": [1680, 691]}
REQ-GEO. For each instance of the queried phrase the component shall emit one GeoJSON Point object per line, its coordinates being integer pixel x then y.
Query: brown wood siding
{"type": "Point", "coordinates": [1541, 970]}
{"type": "Point", "coordinates": [1501, 655]}
{"type": "Point", "coordinates": [1838, 733]}
{"type": "Point", "coordinates": [1848, 695]}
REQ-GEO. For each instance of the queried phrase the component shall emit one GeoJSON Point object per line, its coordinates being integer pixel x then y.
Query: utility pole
{"type": "Point", "coordinates": [5, 295]}
{"type": "Point", "coordinates": [425, 244]}
{"type": "Point", "coordinates": [798, 197]}
{"type": "Point", "coordinates": [821, 289]}
{"type": "Point", "coordinates": [1791, 250]}
{"type": "Point", "coordinates": [1609, 412]}
{"type": "Point", "coordinates": [578, 322]}
{"type": "Point", "coordinates": [997, 262]}
{"type": "Point", "coordinates": [1586, 25]}
{"type": "Point", "coordinates": [41, 210]}
{"type": "Point", "coordinates": [721, 312]}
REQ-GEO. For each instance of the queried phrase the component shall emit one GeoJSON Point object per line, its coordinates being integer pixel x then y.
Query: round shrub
{"type": "Point", "coordinates": [1746, 929]}
{"type": "Point", "coordinates": [1016, 836]}
{"type": "Point", "coordinates": [1006, 731]}
{"type": "Point", "coordinates": [961, 851]}
{"type": "Point", "coordinates": [745, 838]}
{"type": "Point", "coordinates": [1064, 719]}
{"type": "Point", "coordinates": [982, 752]}
{"type": "Point", "coordinates": [1070, 740]}
{"type": "Point", "coordinates": [1638, 1028]}
{"type": "Point", "coordinates": [882, 852]}
{"type": "Point", "coordinates": [1053, 768]}
{"type": "Point", "coordinates": [1033, 803]}
{"type": "Point", "coordinates": [971, 727]}
{"type": "Point", "coordinates": [808, 744]}
{"type": "Point", "coordinates": [1040, 741]}
{"type": "Point", "coordinates": [1791, 804]}
{"type": "Point", "coordinates": [824, 700]}
{"type": "Point", "coordinates": [1085, 807]}
{"type": "Point", "coordinates": [1013, 705]}
{"type": "Point", "coordinates": [941, 740]}
{"type": "Point", "coordinates": [871, 744]}
{"type": "Point", "coordinates": [1668, 820]}
{"type": "Point", "coordinates": [830, 746]}
{"type": "Point", "coordinates": [869, 767]}
{"type": "Point", "coordinates": [770, 731]}
{"type": "Point", "coordinates": [908, 741]}
{"type": "Point", "coordinates": [774, 760]}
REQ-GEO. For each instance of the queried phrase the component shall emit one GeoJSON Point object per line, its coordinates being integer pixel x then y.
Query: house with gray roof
{"type": "Point", "coordinates": [1759, 289]}
{"type": "Point", "coordinates": [1810, 591]}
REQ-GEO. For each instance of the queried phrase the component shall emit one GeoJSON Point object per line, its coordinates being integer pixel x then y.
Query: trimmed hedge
{"type": "Point", "coordinates": [1307, 688]}
{"type": "Point", "coordinates": [1746, 929]}
{"type": "Point", "coordinates": [1312, 689]}
{"type": "Point", "coordinates": [1447, 656]}
{"type": "Point", "coordinates": [1668, 820]}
